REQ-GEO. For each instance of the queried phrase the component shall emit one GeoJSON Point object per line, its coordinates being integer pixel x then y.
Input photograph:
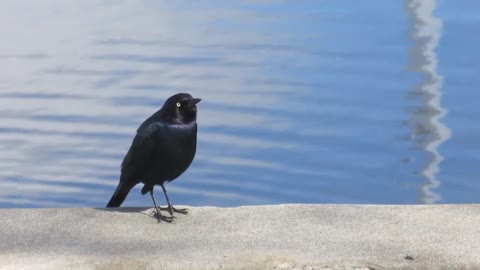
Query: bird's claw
{"type": "Point", "coordinates": [160, 217]}
{"type": "Point", "coordinates": [183, 211]}
{"type": "Point", "coordinates": [171, 210]}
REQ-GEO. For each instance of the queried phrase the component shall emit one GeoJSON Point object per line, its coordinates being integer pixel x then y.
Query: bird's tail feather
{"type": "Point", "coordinates": [120, 194]}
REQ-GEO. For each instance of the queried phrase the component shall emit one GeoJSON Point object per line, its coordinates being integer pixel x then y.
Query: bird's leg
{"type": "Point", "coordinates": [159, 216]}
{"type": "Point", "coordinates": [170, 207]}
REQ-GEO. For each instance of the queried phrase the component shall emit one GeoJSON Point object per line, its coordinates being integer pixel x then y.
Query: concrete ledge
{"type": "Point", "coordinates": [255, 237]}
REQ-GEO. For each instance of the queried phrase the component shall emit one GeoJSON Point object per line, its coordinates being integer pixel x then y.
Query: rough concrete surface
{"type": "Point", "coordinates": [255, 237]}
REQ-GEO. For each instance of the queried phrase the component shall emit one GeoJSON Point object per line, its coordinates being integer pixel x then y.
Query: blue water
{"type": "Point", "coordinates": [303, 101]}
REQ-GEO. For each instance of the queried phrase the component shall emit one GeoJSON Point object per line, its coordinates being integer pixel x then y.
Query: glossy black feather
{"type": "Point", "coordinates": [163, 148]}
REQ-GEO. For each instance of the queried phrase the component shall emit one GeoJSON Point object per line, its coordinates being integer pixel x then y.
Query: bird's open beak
{"type": "Point", "coordinates": [193, 101]}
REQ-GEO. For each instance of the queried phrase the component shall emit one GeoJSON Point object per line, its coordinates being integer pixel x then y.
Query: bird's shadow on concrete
{"type": "Point", "coordinates": [147, 211]}
{"type": "Point", "coordinates": [125, 209]}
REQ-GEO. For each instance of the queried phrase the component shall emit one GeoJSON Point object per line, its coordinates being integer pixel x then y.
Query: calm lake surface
{"type": "Point", "coordinates": [303, 101]}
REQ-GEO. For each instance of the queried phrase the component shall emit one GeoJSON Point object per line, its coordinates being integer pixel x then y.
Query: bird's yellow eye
{"type": "Point", "coordinates": [179, 104]}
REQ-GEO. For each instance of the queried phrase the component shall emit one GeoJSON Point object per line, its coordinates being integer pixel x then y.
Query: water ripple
{"type": "Point", "coordinates": [302, 102]}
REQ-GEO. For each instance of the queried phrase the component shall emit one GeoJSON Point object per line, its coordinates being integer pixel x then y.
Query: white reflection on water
{"type": "Point", "coordinates": [428, 131]}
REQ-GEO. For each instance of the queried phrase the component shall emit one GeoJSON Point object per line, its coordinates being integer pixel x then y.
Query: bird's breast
{"type": "Point", "coordinates": [179, 151]}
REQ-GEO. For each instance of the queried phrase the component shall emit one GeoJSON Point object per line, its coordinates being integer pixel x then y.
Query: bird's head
{"type": "Point", "coordinates": [181, 108]}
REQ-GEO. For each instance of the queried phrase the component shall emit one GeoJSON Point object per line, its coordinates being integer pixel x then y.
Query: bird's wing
{"type": "Point", "coordinates": [137, 161]}
{"type": "Point", "coordinates": [139, 156]}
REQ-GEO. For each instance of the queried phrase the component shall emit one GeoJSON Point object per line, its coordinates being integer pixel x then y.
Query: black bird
{"type": "Point", "coordinates": [163, 148]}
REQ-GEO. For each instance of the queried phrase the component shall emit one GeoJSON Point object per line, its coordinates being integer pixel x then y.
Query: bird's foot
{"type": "Point", "coordinates": [182, 211]}
{"type": "Point", "coordinates": [172, 209]}
{"type": "Point", "coordinates": [160, 217]}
